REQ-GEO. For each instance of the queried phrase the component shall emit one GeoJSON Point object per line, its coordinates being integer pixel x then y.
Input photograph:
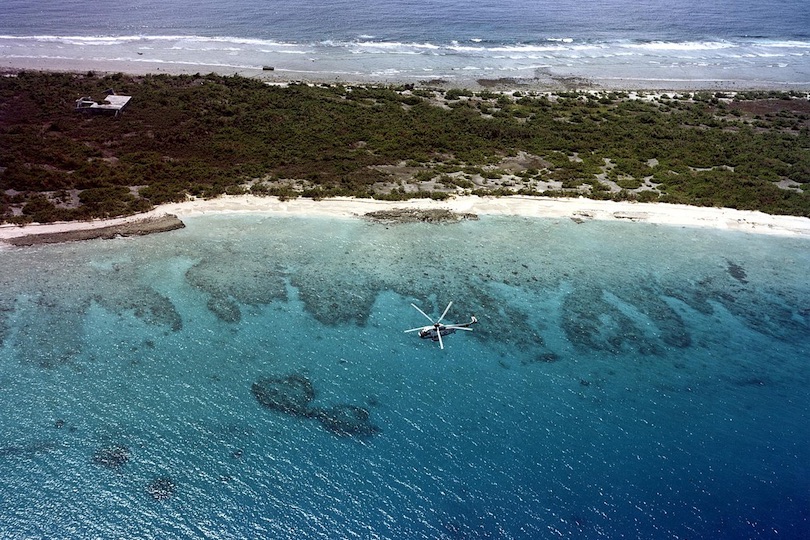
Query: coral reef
{"type": "Point", "coordinates": [346, 420]}
{"type": "Point", "coordinates": [112, 457]}
{"type": "Point", "coordinates": [224, 308]}
{"type": "Point", "coordinates": [146, 303]}
{"type": "Point", "coordinates": [28, 450]}
{"type": "Point", "coordinates": [598, 319]}
{"type": "Point", "coordinates": [52, 337]}
{"type": "Point", "coordinates": [291, 394]}
{"type": "Point", "coordinates": [737, 272]}
{"type": "Point", "coordinates": [6, 308]}
{"type": "Point", "coordinates": [255, 283]}
{"type": "Point", "coordinates": [343, 301]}
{"type": "Point", "coordinates": [161, 488]}
{"type": "Point", "coordinates": [294, 394]}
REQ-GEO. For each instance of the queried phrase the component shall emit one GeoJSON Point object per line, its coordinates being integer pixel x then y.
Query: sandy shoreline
{"type": "Point", "coordinates": [537, 82]}
{"type": "Point", "coordinates": [578, 209]}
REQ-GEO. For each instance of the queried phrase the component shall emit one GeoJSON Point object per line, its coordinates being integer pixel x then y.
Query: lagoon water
{"type": "Point", "coordinates": [625, 381]}
{"type": "Point", "coordinates": [648, 44]}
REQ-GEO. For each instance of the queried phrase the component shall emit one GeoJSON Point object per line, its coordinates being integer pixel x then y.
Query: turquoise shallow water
{"type": "Point", "coordinates": [625, 380]}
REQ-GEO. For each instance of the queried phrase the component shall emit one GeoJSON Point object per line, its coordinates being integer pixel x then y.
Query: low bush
{"type": "Point", "coordinates": [180, 138]}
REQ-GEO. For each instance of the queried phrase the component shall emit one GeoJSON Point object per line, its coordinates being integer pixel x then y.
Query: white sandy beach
{"type": "Point", "coordinates": [538, 207]}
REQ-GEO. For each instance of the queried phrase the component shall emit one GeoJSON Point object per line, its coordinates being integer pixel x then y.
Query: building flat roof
{"type": "Point", "coordinates": [113, 102]}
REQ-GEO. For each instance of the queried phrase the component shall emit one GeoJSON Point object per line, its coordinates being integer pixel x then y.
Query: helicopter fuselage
{"type": "Point", "coordinates": [438, 330]}
{"type": "Point", "coordinates": [433, 332]}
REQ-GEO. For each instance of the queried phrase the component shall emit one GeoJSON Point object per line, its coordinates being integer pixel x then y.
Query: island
{"type": "Point", "coordinates": [201, 137]}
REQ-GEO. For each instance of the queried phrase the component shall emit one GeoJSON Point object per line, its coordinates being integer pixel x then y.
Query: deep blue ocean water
{"type": "Point", "coordinates": [625, 381]}
{"type": "Point", "coordinates": [654, 42]}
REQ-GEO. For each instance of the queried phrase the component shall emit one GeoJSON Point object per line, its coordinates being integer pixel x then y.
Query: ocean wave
{"type": "Point", "coordinates": [755, 57]}
{"type": "Point", "coordinates": [123, 40]}
{"type": "Point", "coordinates": [785, 44]}
{"type": "Point", "coordinates": [529, 48]}
{"type": "Point", "coordinates": [384, 46]}
{"type": "Point", "coordinates": [367, 43]}
{"type": "Point", "coordinates": [137, 60]}
{"type": "Point", "coordinates": [681, 45]}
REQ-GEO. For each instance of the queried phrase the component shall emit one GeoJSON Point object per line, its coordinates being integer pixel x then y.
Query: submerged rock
{"type": "Point", "coordinates": [347, 420]}
{"type": "Point", "coordinates": [737, 272]}
{"type": "Point", "coordinates": [161, 488]}
{"type": "Point", "coordinates": [111, 457]}
{"type": "Point", "coordinates": [294, 394]}
{"type": "Point", "coordinates": [291, 394]}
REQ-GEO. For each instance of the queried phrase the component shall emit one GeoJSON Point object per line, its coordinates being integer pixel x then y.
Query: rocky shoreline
{"type": "Point", "coordinates": [150, 225]}
{"type": "Point", "coordinates": [418, 215]}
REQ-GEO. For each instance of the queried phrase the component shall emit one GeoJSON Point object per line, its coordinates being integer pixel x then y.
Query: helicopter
{"type": "Point", "coordinates": [436, 329]}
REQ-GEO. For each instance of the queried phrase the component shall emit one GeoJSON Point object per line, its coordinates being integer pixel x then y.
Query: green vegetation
{"type": "Point", "coordinates": [206, 135]}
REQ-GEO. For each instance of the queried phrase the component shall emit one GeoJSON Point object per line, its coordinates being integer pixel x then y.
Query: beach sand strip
{"type": "Point", "coordinates": [581, 210]}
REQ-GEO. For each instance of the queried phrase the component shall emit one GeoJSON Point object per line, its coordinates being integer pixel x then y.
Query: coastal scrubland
{"type": "Point", "coordinates": [205, 135]}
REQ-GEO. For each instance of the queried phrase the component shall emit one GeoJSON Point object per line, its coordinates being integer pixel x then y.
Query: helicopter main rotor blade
{"type": "Point", "coordinates": [445, 312]}
{"type": "Point", "coordinates": [415, 329]}
{"type": "Point", "coordinates": [439, 334]}
{"type": "Point", "coordinates": [422, 312]}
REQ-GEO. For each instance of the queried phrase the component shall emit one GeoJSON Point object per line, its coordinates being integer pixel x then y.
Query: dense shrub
{"type": "Point", "coordinates": [208, 135]}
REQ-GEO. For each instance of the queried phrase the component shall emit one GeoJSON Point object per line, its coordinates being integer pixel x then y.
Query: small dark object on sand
{"type": "Point", "coordinates": [161, 488]}
{"type": "Point", "coordinates": [291, 394]}
{"type": "Point", "coordinates": [111, 457]}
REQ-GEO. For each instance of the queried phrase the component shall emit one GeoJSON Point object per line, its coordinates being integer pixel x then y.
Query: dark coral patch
{"type": "Point", "coordinates": [161, 488]}
{"type": "Point", "coordinates": [224, 308]}
{"type": "Point", "coordinates": [294, 394]}
{"type": "Point", "coordinates": [599, 319]}
{"type": "Point", "coordinates": [111, 457]}
{"type": "Point", "coordinates": [146, 303]}
{"type": "Point", "coordinates": [542, 358]}
{"type": "Point", "coordinates": [256, 283]}
{"type": "Point", "coordinates": [737, 272]}
{"type": "Point", "coordinates": [291, 394]}
{"type": "Point", "coordinates": [347, 420]}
